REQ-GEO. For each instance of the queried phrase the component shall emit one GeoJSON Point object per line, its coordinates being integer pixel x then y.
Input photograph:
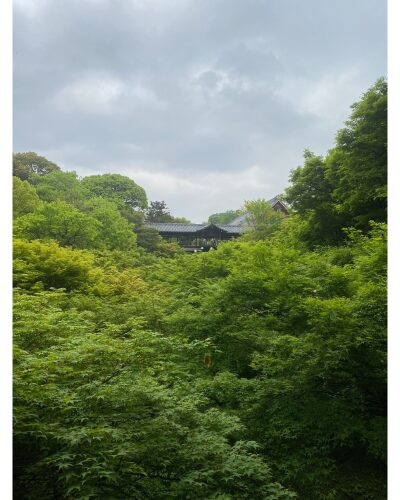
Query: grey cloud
{"type": "Point", "coordinates": [168, 91]}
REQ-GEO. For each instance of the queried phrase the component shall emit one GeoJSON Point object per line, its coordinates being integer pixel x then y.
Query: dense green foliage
{"type": "Point", "coordinates": [27, 164]}
{"type": "Point", "coordinates": [261, 220]}
{"type": "Point", "coordinates": [254, 371]}
{"type": "Point", "coordinates": [97, 212]}
{"type": "Point", "coordinates": [348, 188]}
{"type": "Point", "coordinates": [120, 189]}
{"type": "Point", "coordinates": [61, 222]}
{"type": "Point", "coordinates": [60, 186]}
{"type": "Point", "coordinates": [25, 198]}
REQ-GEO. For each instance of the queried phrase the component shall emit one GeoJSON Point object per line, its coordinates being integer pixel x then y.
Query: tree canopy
{"type": "Point", "coordinates": [117, 188]}
{"type": "Point", "coordinates": [115, 232]}
{"type": "Point", "coordinates": [257, 370]}
{"type": "Point", "coordinates": [59, 186]}
{"type": "Point", "coordinates": [348, 187]}
{"type": "Point", "coordinates": [25, 198]}
{"type": "Point", "coordinates": [59, 221]}
{"type": "Point", "coordinates": [159, 212]}
{"type": "Point", "coordinates": [27, 164]}
{"type": "Point", "coordinates": [261, 219]}
{"type": "Point", "coordinates": [357, 166]}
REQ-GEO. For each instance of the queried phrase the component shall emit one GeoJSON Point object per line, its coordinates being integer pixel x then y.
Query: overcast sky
{"type": "Point", "coordinates": [204, 103]}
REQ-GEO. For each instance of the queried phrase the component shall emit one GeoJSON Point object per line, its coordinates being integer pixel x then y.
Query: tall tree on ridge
{"type": "Point", "coordinates": [158, 212]}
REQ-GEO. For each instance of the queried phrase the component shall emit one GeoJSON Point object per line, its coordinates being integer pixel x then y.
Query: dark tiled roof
{"type": "Point", "coordinates": [235, 227]}
{"type": "Point", "coordinates": [231, 228]}
{"type": "Point", "coordinates": [274, 200]}
{"type": "Point", "coordinates": [177, 227]}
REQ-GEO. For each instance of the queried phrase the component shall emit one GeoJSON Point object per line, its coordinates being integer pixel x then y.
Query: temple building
{"type": "Point", "coordinates": [203, 237]}
{"type": "Point", "coordinates": [196, 237]}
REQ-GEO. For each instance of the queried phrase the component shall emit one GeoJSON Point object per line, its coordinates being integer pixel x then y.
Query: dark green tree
{"type": "Point", "coordinates": [357, 166]}
{"type": "Point", "coordinates": [311, 196]}
{"type": "Point", "coordinates": [158, 212]}
{"type": "Point", "coordinates": [181, 220]}
{"type": "Point", "coordinates": [148, 238]}
{"type": "Point", "coordinates": [348, 187]}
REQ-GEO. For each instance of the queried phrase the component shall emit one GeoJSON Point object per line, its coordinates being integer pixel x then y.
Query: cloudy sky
{"type": "Point", "coordinates": [205, 103]}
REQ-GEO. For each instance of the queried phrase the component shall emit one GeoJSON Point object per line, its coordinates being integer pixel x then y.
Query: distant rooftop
{"type": "Point", "coordinates": [235, 228]}
{"type": "Point", "coordinates": [178, 227]}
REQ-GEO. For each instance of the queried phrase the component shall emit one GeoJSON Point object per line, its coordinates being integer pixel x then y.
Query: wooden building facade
{"type": "Point", "coordinates": [196, 237]}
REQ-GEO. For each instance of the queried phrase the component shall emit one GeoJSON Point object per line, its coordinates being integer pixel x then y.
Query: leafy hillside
{"type": "Point", "coordinates": [254, 371]}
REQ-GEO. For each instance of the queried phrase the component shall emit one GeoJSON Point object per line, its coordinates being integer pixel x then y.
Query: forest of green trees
{"type": "Point", "coordinates": [256, 371]}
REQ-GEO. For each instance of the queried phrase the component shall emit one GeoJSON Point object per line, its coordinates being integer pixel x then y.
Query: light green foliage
{"type": "Point", "coordinates": [261, 342]}
{"type": "Point", "coordinates": [224, 217]}
{"type": "Point", "coordinates": [261, 219]}
{"type": "Point", "coordinates": [114, 230]}
{"type": "Point", "coordinates": [99, 226]}
{"type": "Point", "coordinates": [306, 332]}
{"type": "Point", "coordinates": [38, 316]}
{"type": "Point", "coordinates": [59, 186]}
{"type": "Point", "coordinates": [117, 188]}
{"type": "Point", "coordinates": [254, 371]}
{"type": "Point", "coordinates": [113, 414]}
{"type": "Point", "coordinates": [46, 265]}
{"type": "Point", "coordinates": [61, 222]}
{"type": "Point", "coordinates": [27, 164]}
{"type": "Point", "coordinates": [25, 198]}
{"type": "Point", "coordinates": [123, 259]}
